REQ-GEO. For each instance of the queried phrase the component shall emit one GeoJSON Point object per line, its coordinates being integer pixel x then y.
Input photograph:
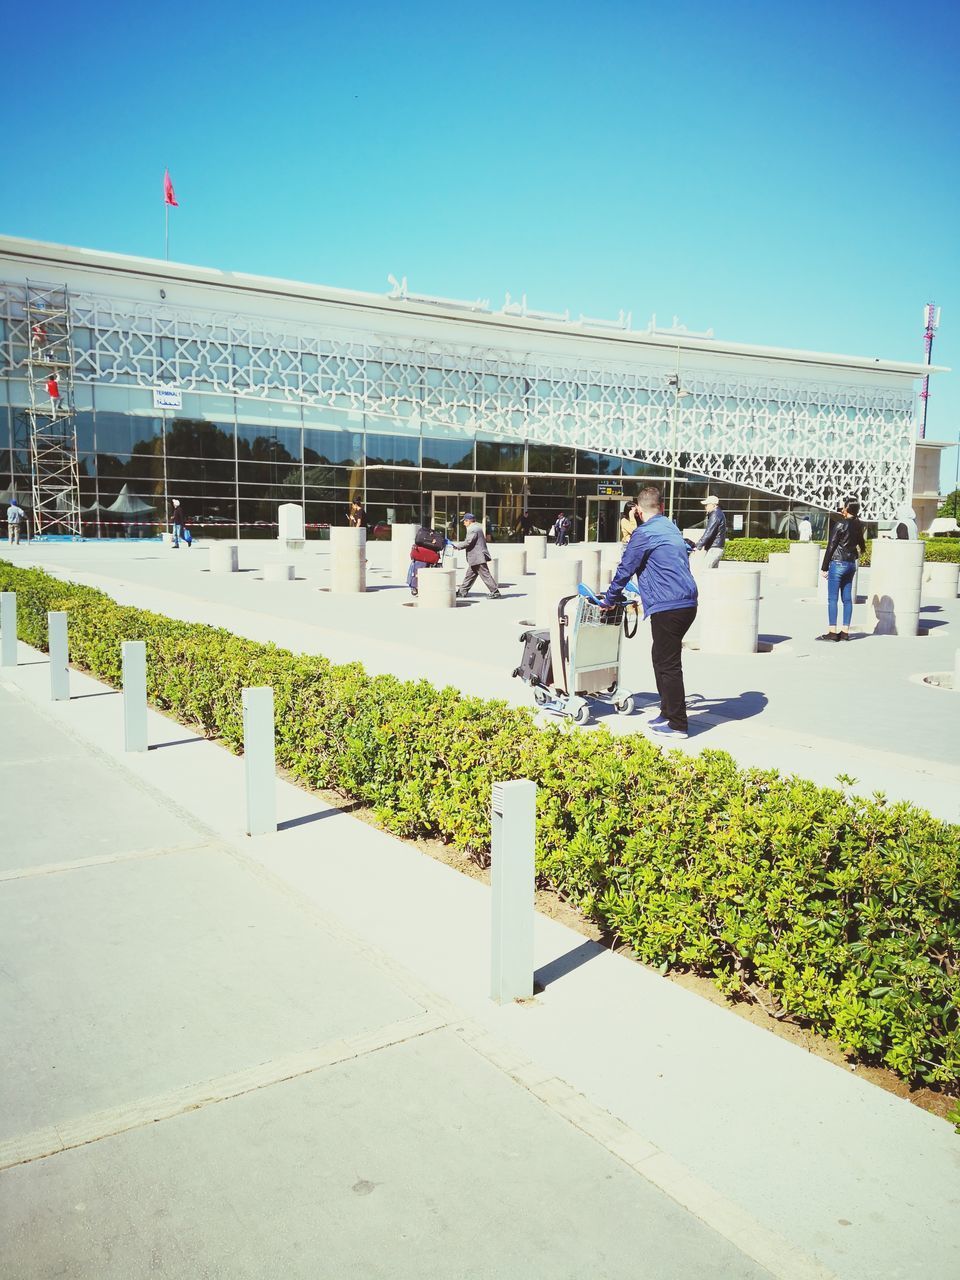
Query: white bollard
{"type": "Point", "coordinates": [778, 566]}
{"type": "Point", "coordinates": [134, 695]}
{"type": "Point", "coordinates": [728, 614]}
{"type": "Point", "coordinates": [940, 581]}
{"type": "Point", "coordinates": [555, 579]}
{"type": "Point", "coordinates": [610, 558]}
{"type": "Point", "coordinates": [896, 582]}
{"type": "Point", "coordinates": [259, 760]}
{"type": "Point", "coordinates": [535, 545]}
{"type": "Point", "coordinates": [401, 540]}
{"type": "Point", "coordinates": [224, 557]}
{"type": "Point", "coordinates": [8, 628]}
{"type": "Point", "coordinates": [436, 588]}
{"type": "Point", "coordinates": [512, 842]}
{"type": "Point", "coordinates": [279, 573]}
{"type": "Point", "coordinates": [348, 560]}
{"type": "Point", "coordinates": [291, 532]}
{"type": "Point", "coordinates": [803, 564]}
{"type": "Point", "coordinates": [589, 558]}
{"type": "Point", "coordinates": [493, 564]}
{"type": "Point", "coordinates": [513, 562]}
{"type": "Point", "coordinates": [59, 656]}
{"type": "Point", "coordinates": [956, 671]}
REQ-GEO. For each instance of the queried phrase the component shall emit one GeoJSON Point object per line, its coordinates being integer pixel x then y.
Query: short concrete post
{"type": "Point", "coordinates": [348, 560]}
{"type": "Point", "coordinates": [493, 564]}
{"type": "Point", "coordinates": [436, 588]}
{"type": "Point", "coordinates": [134, 695]}
{"type": "Point", "coordinates": [513, 562]}
{"type": "Point", "coordinates": [610, 558]}
{"type": "Point", "coordinates": [401, 540]}
{"type": "Point", "coordinates": [224, 557]}
{"type": "Point", "coordinates": [259, 760]}
{"type": "Point", "coordinates": [940, 581]}
{"type": "Point", "coordinates": [59, 656]}
{"type": "Point", "coordinates": [803, 565]}
{"type": "Point", "coordinates": [555, 579]}
{"type": "Point", "coordinates": [729, 611]}
{"type": "Point", "coordinates": [290, 527]}
{"type": "Point", "coordinates": [513, 836]}
{"type": "Point", "coordinates": [589, 566]}
{"type": "Point", "coordinates": [778, 566]}
{"type": "Point", "coordinates": [956, 671]}
{"type": "Point", "coordinates": [279, 573]}
{"type": "Point", "coordinates": [896, 582]}
{"type": "Point", "coordinates": [8, 628]}
{"type": "Point", "coordinates": [535, 545]}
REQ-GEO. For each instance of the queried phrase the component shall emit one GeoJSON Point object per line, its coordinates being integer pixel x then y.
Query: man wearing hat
{"type": "Point", "coordinates": [715, 534]}
{"type": "Point", "coordinates": [475, 545]}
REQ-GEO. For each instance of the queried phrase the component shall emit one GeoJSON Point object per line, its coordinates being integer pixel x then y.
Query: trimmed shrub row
{"type": "Point", "coordinates": [838, 912]}
{"type": "Point", "coordinates": [757, 550]}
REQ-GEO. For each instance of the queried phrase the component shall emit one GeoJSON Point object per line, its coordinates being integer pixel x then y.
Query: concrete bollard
{"type": "Point", "coordinates": [134, 654]}
{"type": "Point", "coordinates": [224, 557]}
{"type": "Point", "coordinates": [59, 656]}
{"type": "Point", "coordinates": [956, 671]}
{"type": "Point", "coordinates": [513, 562]}
{"type": "Point", "coordinates": [8, 628]}
{"type": "Point", "coordinates": [803, 564]}
{"type": "Point", "coordinates": [513, 835]}
{"type": "Point", "coordinates": [348, 560]}
{"type": "Point", "coordinates": [778, 566]}
{"type": "Point", "coordinates": [728, 615]}
{"type": "Point", "coordinates": [940, 581]}
{"type": "Point", "coordinates": [535, 545]}
{"type": "Point", "coordinates": [493, 564]}
{"type": "Point", "coordinates": [401, 540]}
{"type": "Point", "coordinates": [589, 558]}
{"type": "Point", "coordinates": [437, 588]}
{"type": "Point", "coordinates": [610, 558]}
{"type": "Point", "coordinates": [259, 760]}
{"type": "Point", "coordinates": [896, 582]}
{"type": "Point", "coordinates": [291, 533]}
{"type": "Point", "coordinates": [555, 579]}
{"type": "Point", "coordinates": [279, 573]}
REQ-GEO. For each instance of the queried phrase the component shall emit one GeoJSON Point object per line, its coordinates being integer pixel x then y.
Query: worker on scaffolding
{"type": "Point", "coordinates": [53, 391]}
{"type": "Point", "coordinates": [38, 335]}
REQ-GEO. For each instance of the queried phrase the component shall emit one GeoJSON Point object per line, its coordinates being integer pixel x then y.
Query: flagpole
{"type": "Point", "coordinates": [166, 231]}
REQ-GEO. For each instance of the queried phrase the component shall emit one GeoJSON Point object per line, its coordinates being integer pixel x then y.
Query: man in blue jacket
{"type": "Point", "coordinates": [657, 555]}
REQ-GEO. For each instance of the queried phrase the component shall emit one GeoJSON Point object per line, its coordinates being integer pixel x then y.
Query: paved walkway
{"type": "Point", "coordinates": [276, 1057]}
{"type": "Point", "coordinates": [814, 709]}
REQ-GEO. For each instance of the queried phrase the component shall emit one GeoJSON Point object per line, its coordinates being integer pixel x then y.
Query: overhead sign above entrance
{"type": "Point", "coordinates": [167, 398]}
{"type": "Point", "coordinates": [610, 489]}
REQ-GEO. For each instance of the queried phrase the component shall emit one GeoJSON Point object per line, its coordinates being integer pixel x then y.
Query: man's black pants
{"type": "Point", "coordinates": [668, 629]}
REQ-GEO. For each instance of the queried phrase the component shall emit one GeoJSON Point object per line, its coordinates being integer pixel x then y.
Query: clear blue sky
{"type": "Point", "coordinates": [787, 174]}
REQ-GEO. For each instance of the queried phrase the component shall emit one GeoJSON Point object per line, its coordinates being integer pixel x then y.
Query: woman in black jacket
{"type": "Point", "coordinates": [839, 567]}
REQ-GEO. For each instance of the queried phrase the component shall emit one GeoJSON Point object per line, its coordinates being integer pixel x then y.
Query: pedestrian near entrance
{"type": "Point", "coordinates": [714, 537]}
{"type": "Point", "coordinates": [628, 523]}
{"type": "Point", "coordinates": [844, 547]}
{"type": "Point", "coordinates": [561, 530]}
{"type": "Point", "coordinates": [357, 519]}
{"type": "Point", "coordinates": [657, 556]}
{"type": "Point", "coordinates": [524, 525]}
{"type": "Point", "coordinates": [14, 522]}
{"type": "Point", "coordinates": [180, 531]}
{"type": "Point", "coordinates": [475, 545]}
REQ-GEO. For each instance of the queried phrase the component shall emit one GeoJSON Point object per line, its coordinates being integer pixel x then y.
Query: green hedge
{"type": "Point", "coordinates": [757, 550]}
{"type": "Point", "coordinates": [839, 912]}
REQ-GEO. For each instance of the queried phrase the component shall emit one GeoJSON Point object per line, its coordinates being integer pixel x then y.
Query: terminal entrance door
{"type": "Point", "coordinates": [449, 507]}
{"type": "Point", "coordinates": [603, 519]}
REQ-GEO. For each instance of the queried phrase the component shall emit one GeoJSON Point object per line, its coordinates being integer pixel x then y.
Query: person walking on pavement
{"type": "Point", "coordinates": [657, 555]}
{"type": "Point", "coordinates": [475, 545]}
{"type": "Point", "coordinates": [561, 530]}
{"type": "Point", "coordinates": [714, 537]}
{"type": "Point", "coordinates": [524, 525]}
{"type": "Point", "coordinates": [357, 519]}
{"type": "Point", "coordinates": [14, 522]}
{"type": "Point", "coordinates": [628, 523]}
{"type": "Point", "coordinates": [180, 531]}
{"type": "Point", "coordinates": [844, 547]}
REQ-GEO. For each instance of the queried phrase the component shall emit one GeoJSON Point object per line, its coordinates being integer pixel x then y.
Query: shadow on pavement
{"type": "Point", "coordinates": [105, 693]}
{"type": "Point", "coordinates": [177, 742]}
{"type": "Point", "coordinates": [309, 817]}
{"type": "Point", "coordinates": [565, 964]}
{"type": "Point", "coordinates": [747, 704]}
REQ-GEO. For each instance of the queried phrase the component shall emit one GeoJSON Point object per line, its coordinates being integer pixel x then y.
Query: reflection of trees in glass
{"type": "Point", "coordinates": [199, 450]}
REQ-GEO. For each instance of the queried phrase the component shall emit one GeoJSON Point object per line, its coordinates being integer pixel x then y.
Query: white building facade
{"type": "Point", "coordinates": [236, 392]}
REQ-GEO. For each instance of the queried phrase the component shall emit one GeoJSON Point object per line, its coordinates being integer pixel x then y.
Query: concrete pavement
{"type": "Point", "coordinates": [276, 1056]}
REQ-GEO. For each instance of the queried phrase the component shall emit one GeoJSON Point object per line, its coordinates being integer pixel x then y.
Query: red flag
{"type": "Point", "coordinates": [168, 196]}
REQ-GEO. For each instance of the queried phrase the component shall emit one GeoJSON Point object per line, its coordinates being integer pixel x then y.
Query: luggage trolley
{"type": "Point", "coordinates": [577, 662]}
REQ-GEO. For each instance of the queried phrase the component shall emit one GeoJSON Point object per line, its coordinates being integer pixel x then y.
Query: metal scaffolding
{"type": "Point", "coordinates": [51, 417]}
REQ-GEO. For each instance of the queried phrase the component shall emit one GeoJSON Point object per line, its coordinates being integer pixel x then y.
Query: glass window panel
{"type": "Point", "coordinates": [125, 433]}
{"type": "Point", "coordinates": [545, 457]}
{"type": "Point", "coordinates": [135, 400]}
{"type": "Point", "coordinates": [497, 456]}
{"type": "Point", "coordinates": [456, 451]}
{"type": "Point", "coordinates": [197, 438]}
{"type": "Point", "coordinates": [393, 450]}
{"type": "Point", "coordinates": [337, 447]}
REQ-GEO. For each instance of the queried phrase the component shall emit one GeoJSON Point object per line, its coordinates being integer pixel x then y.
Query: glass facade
{"type": "Point", "coordinates": [231, 461]}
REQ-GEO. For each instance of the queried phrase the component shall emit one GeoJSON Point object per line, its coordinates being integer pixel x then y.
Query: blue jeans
{"type": "Point", "coordinates": [840, 575]}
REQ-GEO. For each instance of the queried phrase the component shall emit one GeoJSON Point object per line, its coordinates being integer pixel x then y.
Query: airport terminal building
{"type": "Point", "coordinates": [235, 392]}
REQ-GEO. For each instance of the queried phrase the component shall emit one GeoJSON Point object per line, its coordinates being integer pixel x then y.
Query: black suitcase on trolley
{"type": "Point", "coordinates": [431, 538]}
{"type": "Point", "coordinates": [536, 667]}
